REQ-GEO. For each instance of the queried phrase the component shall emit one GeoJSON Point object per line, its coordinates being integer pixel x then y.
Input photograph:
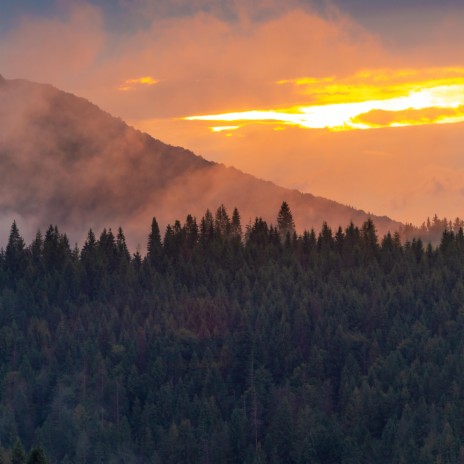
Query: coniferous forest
{"type": "Point", "coordinates": [232, 344]}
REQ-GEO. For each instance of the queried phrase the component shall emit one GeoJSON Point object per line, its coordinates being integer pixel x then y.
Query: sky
{"type": "Point", "coordinates": [359, 101]}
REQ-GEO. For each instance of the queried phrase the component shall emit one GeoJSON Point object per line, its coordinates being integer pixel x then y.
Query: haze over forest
{"type": "Point", "coordinates": [69, 163]}
{"type": "Point", "coordinates": [199, 251]}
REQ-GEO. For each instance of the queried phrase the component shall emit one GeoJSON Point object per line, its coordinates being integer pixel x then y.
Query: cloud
{"type": "Point", "coordinates": [134, 83]}
{"type": "Point", "coordinates": [386, 171]}
{"type": "Point", "coordinates": [57, 49]}
{"type": "Point", "coordinates": [226, 10]}
{"type": "Point", "coordinates": [208, 63]}
{"type": "Point", "coordinates": [208, 56]}
{"type": "Point", "coordinates": [66, 162]}
{"type": "Point", "coordinates": [364, 102]}
{"type": "Point", "coordinates": [219, 57]}
{"type": "Point", "coordinates": [409, 117]}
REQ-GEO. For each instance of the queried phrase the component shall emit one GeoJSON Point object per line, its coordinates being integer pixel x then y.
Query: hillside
{"type": "Point", "coordinates": [325, 349]}
{"type": "Point", "coordinates": [66, 160]}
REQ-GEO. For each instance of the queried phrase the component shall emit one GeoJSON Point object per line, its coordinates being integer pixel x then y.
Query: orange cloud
{"type": "Point", "coordinates": [132, 84]}
{"type": "Point", "coordinates": [212, 65]}
{"type": "Point", "coordinates": [410, 117]}
{"type": "Point", "coordinates": [57, 50]}
{"type": "Point", "coordinates": [343, 105]}
{"type": "Point", "coordinates": [224, 128]}
{"type": "Point", "coordinates": [388, 171]}
{"type": "Point", "coordinates": [209, 63]}
{"type": "Point", "coordinates": [375, 83]}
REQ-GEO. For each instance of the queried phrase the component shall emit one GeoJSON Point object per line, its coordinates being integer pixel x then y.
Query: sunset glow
{"type": "Point", "coordinates": [366, 100]}
{"type": "Point", "coordinates": [224, 128]}
{"type": "Point", "coordinates": [131, 84]}
{"type": "Point", "coordinates": [284, 91]}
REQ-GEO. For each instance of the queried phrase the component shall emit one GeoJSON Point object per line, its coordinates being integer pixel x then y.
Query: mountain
{"type": "Point", "coordinates": [66, 162]}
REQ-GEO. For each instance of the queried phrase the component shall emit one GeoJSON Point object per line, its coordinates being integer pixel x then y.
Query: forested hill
{"type": "Point", "coordinates": [67, 162]}
{"type": "Point", "coordinates": [239, 345]}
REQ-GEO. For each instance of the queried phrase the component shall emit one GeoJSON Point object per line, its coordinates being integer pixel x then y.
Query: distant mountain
{"type": "Point", "coordinates": [65, 161]}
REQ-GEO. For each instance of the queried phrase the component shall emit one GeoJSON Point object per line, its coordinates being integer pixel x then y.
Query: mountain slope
{"type": "Point", "coordinates": [65, 161]}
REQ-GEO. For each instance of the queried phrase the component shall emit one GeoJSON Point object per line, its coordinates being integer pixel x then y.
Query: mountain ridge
{"type": "Point", "coordinates": [68, 162]}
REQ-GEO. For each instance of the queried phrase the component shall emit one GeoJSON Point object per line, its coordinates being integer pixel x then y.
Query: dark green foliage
{"type": "Point", "coordinates": [236, 226]}
{"type": "Point", "coordinates": [336, 347]}
{"type": "Point", "coordinates": [285, 223]}
{"type": "Point", "coordinates": [222, 222]}
{"type": "Point", "coordinates": [431, 230]}
{"type": "Point", "coordinates": [37, 456]}
{"type": "Point", "coordinates": [18, 455]}
{"type": "Point", "coordinates": [15, 258]}
{"type": "Point", "coordinates": [154, 247]}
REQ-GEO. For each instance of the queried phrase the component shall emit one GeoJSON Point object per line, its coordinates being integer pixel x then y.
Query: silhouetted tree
{"type": "Point", "coordinates": [37, 456]}
{"type": "Point", "coordinates": [154, 247]}
{"type": "Point", "coordinates": [236, 226]}
{"type": "Point", "coordinates": [222, 222]}
{"type": "Point", "coordinates": [285, 223]}
{"type": "Point", "coordinates": [207, 228]}
{"type": "Point", "coordinates": [15, 258]}
{"type": "Point", "coordinates": [18, 456]}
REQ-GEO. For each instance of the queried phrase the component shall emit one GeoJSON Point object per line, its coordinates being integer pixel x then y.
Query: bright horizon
{"type": "Point", "coordinates": [358, 103]}
{"type": "Point", "coordinates": [363, 101]}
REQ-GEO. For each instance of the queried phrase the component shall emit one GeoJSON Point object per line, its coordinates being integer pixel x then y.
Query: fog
{"type": "Point", "coordinates": [66, 162]}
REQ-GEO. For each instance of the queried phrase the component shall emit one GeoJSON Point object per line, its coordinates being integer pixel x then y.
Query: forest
{"type": "Point", "coordinates": [225, 343]}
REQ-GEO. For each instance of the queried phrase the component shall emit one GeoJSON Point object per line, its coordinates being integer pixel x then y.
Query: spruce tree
{"type": "Point", "coordinates": [154, 247]}
{"type": "Point", "coordinates": [19, 456]}
{"type": "Point", "coordinates": [121, 247]}
{"type": "Point", "coordinates": [191, 231]}
{"type": "Point", "coordinates": [206, 227]}
{"type": "Point", "coordinates": [90, 245]}
{"type": "Point", "coordinates": [285, 223]}
{"type": "Point", "coordinates": [37, 456]}
{"type": "Point", "coordinates": [37, 248]}
{"type": "Point", "coordinates": [369, 236]}
{"type": "Point", "coordinates": [236, 226]}
{"type": "Point", "coordinates": [14, 253]}
{"type": "Point", "coordinates": [222, 222]}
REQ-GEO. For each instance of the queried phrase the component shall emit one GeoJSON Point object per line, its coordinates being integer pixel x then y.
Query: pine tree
{"type": "Point", "coordinates": [236, 226]}
{"type": "Point", "coordinates": [222, 222]}
{"type": "Point", "coordinates": [325, 241]}
{"type": "Point", "coordinates": [92, 275]}
{"type": "Point", "coordinates": [285, 223]}
{"type": "Point", "coordinates": [206, 227]}
{"type": "Point", "coordinates": [154, 247]}
{"type": "Point", "coordinates": [55, 249]}
{"type": "Point", "coordinates": [37, 248]}
{"type": "Point", "coordinates": [14, 253]}
{"type": "Point", "coordinates": [107, 249]}
{"type": "Point", "coordinates": [369, 237]}
{"type": "Point", "coordinates": [191, 231]}
{"type": "Point", "coordinates": [121, 247]}
{"type": "Point", "coordinates": [37, 456]}
{"type": "Point", "coordinates": [90, 245]}
{"type": "Point", "coordinates": [19, 456]}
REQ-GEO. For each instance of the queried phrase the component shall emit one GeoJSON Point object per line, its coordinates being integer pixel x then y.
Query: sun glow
{"type": "Point", "coordinates": [369, 99]}
{"type": "Point", "coordinates": [223, 128]}
{"type": "Point", "coordinates": [132, 84]}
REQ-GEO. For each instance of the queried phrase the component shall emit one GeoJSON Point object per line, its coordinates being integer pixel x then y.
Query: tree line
{"type": "Point", "coordinates": [227, 343]}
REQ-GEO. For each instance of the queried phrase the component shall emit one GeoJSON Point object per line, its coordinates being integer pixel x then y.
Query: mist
{"type": "Point", "coordinates": [66, 162]}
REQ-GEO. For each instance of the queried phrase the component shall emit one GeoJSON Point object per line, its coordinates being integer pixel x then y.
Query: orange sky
{"type": "Point", "coordinates": [305, 98]}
